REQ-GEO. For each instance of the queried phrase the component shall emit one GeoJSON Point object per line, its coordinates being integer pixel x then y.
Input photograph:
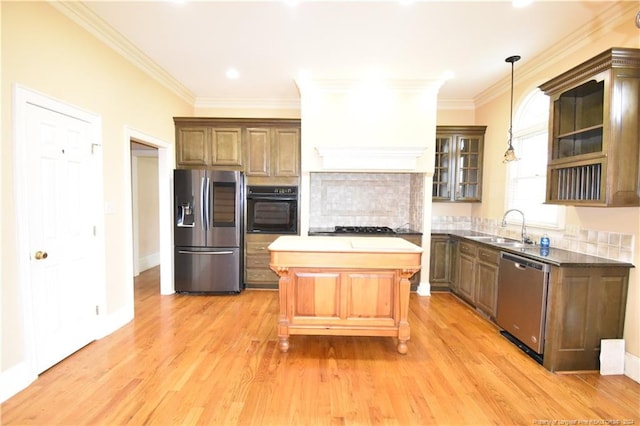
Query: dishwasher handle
{"type": "Point", "coordinates": [524, 263]}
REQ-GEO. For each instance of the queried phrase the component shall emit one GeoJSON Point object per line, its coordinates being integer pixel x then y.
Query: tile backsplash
{"type": "Point", "coordinates": [366, 199]}
{"type": "Point", "coordinates": [610, 245]}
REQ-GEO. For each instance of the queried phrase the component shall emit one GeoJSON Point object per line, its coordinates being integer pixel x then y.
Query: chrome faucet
{"type": "Point", "coordinates": [525, 238]}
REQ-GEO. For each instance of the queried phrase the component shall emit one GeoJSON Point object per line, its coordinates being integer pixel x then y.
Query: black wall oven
{"type": "Point", "coordinates": [272, 209]}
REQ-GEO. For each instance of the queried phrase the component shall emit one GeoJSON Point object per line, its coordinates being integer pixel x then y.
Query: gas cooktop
{"type": "Point", "coordinates": [363, 230]}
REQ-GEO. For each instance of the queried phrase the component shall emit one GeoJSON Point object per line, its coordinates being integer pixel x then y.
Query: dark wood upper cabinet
{"type": "Point", "coordinates": [458, 163]}
{"type": "Point", "coordinates": [267, 150]}
{"type": "Point", "coordinates": [594, 132]}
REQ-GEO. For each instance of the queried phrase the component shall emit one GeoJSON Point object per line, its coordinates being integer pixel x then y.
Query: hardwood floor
{"type": "Point", "coordinates": [214, 360]}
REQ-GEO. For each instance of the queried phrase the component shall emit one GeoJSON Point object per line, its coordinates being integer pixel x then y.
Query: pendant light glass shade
{"type": "Point", "coordinates": [510, 154]}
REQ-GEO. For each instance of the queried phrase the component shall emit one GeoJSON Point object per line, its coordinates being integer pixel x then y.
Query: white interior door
{"type": "Point", "coordinates": [62, 231]}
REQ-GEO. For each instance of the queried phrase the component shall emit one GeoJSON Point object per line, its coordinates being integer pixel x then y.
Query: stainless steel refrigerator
{"type": "Point", "coordinates": [208, 231]}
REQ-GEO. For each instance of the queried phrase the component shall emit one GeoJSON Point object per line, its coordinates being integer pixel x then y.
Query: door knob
{"type": "Point", "coordinates": [41, 255]}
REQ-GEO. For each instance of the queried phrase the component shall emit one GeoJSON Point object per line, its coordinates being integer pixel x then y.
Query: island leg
{"type": "Point", "coordinates": [283, 320]}
{"type": "Point", "coordinates": [404, 332]}
{"type": "Point", "coordinates": [284, 344]}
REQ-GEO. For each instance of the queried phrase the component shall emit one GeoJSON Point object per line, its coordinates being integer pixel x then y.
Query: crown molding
{"type": "Point", "coordinates": [83, 16]}
{"type": "Point", "coordinates": [618, 13]}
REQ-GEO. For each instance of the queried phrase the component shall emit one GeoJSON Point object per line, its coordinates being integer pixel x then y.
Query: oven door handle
{"type": "Point", "coordinates": [261, 198]}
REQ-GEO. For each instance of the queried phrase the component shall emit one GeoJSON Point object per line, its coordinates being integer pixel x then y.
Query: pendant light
{"type": "Point", "coordinates": [510, 154]}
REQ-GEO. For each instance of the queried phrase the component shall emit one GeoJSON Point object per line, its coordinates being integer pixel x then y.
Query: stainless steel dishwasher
{"type": "Point", "coordinates": [522, 301]}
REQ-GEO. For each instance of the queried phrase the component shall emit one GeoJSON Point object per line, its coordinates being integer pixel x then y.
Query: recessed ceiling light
{"type": "Point", "coordinates": [232, 74]}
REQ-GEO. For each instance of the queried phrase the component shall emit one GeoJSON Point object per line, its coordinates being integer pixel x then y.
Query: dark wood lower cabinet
{"type": "Point", "coordinates": [440, 262]}
{"type": "Point", "coordinates": [486, 292]}
{"type": "Point", "coordinates": [477, 276]}
{"type": "Point", "coordinates": [584, 306]}
{"type": "Point", "coordinates": [466, 276]}
{"type": "Point", "coordinates": [257, 273]}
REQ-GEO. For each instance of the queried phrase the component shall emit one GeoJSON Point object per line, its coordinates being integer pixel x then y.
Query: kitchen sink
{"type": "Point", "coordinates": [492, 239]}
{"type": "Point", "coordinates": [500, 241]}
{"type": "Point", "coordinates": [515, 244]}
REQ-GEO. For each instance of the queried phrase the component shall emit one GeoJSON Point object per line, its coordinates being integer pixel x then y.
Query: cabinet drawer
{"type": "Point", "coordinates": [257, 261]}
{"type": "Point", "coordinates": [489, 256]}
{"type": "Point", "coordinates": [468, 248]}
{"type": "Point", "coordinates": [261, 276]}
{"type": "Point", "coordinates": [258, 247]}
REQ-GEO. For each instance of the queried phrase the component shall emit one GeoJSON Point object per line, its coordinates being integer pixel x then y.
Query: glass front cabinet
{"type": "Point", "coordinates": [458, 163]}
{"type": "Point", "coordinates": [594, 132]}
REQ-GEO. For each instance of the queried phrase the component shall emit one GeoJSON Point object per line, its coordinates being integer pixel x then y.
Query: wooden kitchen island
{"type": "Point", "coordinates": [344, 286]}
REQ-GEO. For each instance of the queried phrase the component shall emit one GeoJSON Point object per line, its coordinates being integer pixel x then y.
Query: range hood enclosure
{"type": "Point", "coordinates": [362, 158]}
{"type": "Point", "coordinates": [349, 125]}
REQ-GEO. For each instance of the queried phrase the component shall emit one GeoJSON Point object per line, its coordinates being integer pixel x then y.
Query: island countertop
{"type": "Point", "coordinates": [347, 244]}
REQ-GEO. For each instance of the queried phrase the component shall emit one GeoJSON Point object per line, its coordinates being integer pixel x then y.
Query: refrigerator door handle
{"type": "Point", "coordinates": [202, 217]}
{"type": "Point", "coordinates": [207, 203]}
{"type": "Point", "coordinates": [204, 252]}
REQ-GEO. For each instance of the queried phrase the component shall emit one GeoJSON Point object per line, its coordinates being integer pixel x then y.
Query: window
{"type": "Point", "coordinates": [526, 178]}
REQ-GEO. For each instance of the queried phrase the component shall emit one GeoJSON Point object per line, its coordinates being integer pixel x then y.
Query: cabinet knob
{"type": "Point", "coordinates": [39, 255]}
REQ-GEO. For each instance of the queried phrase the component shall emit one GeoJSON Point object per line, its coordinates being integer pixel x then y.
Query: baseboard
{"type": "Point", "coordinates": [17, 378]}
{"type": "Point", "coordinates": [632, 366]}
{"type": "Point", "coordinates": [114, 321]}
{"type": "Point", "coordinates": [14, 380]}
{"type": "Point", "coordinates": [149, 261]}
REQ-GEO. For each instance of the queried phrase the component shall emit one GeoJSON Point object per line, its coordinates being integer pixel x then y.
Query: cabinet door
{"type": "Point", "coordinates": [443, 168]}
{"type": "Point", "coordinates": [440, 262]}
{"type": "Point", "coordinates": [286, 152]}
{"type": "Point", "coordinates": [226, 147]}
{"type": "Point", "coordinates": [192, 146]}
{"type": "Point", "coordinates": [453, 283]}
{"type": "Point", "coordinates": [458, 163]}
{"type": "Point", "coordinates": [370, 295]}
{"type": "Point", "coordinates": [258, 156]}
{"type": "Point", "coordinates": [469, 168]}
{"type": "Point", "coordinates": [466, 276]}
{"type": "Point", "coordinates": [487, 288]}
{"type": "Point", "coordinates": [315, 297]}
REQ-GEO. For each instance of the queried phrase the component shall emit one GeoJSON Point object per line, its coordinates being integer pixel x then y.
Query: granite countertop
{"type": "Point", "coordinates": [347, 244]}
{"type": "Point", "coordinates": [557, 257]}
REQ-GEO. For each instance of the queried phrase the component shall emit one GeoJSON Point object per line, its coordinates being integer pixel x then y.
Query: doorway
{"type": "Point", "coordinates": [165, 156]}
{"type": "Point", "coordinates": [145, 190]}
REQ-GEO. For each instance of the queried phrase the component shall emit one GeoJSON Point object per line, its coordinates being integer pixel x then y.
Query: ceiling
{"type": "Point", "coordinates": [269, 42]}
